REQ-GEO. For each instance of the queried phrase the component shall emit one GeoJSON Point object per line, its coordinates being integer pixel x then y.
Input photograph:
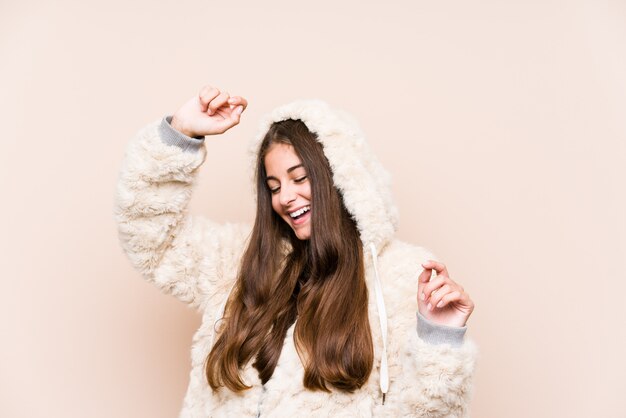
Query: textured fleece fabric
{"type": "Point", "coordinates": [196, 260]}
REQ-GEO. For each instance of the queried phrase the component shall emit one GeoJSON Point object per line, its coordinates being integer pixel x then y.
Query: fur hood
{"type": "Point", "coordinates": [364, 184]}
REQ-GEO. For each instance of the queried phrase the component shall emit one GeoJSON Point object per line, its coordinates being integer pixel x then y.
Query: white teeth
{"type": "Point", "coordinates": [300, 211]}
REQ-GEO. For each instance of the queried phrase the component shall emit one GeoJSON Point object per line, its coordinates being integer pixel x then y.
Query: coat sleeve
{"type": "Point", "coordinates": [429, 376]}
{"type": "Point", "coordinates": [443, 377]}
{"type": "Point", "coordinates": [189, 257]}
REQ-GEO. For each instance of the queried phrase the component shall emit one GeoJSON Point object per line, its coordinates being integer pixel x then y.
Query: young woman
{"type": "Point", "coordinates": [314, 311]}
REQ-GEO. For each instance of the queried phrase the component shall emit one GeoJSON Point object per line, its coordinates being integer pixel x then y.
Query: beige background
{"type": "Point", "coordinates": [502, 123]}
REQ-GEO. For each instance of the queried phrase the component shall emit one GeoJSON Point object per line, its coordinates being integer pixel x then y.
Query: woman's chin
{"type": "Point", "coordinates": [303, 235]}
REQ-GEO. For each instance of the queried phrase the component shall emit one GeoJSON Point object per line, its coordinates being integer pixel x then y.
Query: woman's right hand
{"type": "Point", "coordinates": [211, 112]}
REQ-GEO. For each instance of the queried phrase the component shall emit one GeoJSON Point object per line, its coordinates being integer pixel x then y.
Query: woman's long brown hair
{"type": "Point", "coordinates": [320, 281]}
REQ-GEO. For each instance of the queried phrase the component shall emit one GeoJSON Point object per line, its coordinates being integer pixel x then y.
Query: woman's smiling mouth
{"type": "Point", "coordinates": [301, 215]}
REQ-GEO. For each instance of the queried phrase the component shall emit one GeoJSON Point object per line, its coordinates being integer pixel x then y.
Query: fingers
{"type": "Point", "coordinates": [446, 299]}
{"type": "Point", "coordinates": [229, 120]}
{"type": "Point", "coordinates": [423, 278]}
{"type": "Point", "coordinates": [440, 268]}
{"type": "Point", "coordinates": [437, 294]}
{"type": "Point", "coordinates": [433, 290]}
{"type": "Point", "coordinates": [207, 93]}
{"type": "Point", "coordinates": [238, 100]}
{"type": "Point", "coordinates": [431, 286]}
{"type": "Point", "coordinates": [212, 99]}
{"type": "Point", "coordinates": [426, 274]}
{"type": "Point", "coordinates": [444, 291]}
{"type": "Point", "coordinates": [218, 102]}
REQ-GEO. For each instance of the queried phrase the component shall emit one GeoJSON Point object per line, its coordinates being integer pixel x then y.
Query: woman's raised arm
{"type": "Point", "coordinates": [187, 256]}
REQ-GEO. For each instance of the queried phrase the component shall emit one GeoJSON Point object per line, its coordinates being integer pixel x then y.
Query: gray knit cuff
{"type": "Point", "coordinates": [171, 136]}
{"type": "Point", "coordinates": [436, 334]}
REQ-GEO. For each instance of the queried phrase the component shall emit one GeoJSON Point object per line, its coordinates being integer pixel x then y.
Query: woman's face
{"type": "Point", "coordinates": [290, 188]}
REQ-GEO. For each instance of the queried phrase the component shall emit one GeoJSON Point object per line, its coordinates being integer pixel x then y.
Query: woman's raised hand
{"type": "Point", "coordinates": [211, 112]}
{"type": "Point", "coordinates": [441, 299]}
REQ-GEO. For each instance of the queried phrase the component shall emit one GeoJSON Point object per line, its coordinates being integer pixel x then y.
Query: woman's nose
{"type": "Point", "coordinates": [287, 195]}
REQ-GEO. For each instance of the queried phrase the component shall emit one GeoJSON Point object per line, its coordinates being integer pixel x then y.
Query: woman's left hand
{"type": "Point", "coordinates": [442, 300]}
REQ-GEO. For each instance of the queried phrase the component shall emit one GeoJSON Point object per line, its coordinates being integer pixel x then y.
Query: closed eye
{"type": "Point", "coordinates": [301, 179]}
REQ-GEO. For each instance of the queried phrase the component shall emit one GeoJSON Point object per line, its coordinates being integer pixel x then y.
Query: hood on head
{"type": "Point", "coordinates": [364, 184]}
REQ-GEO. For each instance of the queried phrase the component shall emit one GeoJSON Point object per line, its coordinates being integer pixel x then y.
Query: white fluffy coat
{"type": "Point", "coordinates": [196, 260]}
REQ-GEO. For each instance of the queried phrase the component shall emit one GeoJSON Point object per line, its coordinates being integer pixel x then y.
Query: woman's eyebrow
{"type": "Point", "coordinates": [289, 170]}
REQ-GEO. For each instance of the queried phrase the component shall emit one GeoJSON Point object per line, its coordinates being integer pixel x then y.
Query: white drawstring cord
{"type": "Point", "coordinates": [382, 317]}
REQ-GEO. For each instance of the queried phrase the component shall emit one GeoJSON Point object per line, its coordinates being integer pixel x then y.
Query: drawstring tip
{"type": "Point", "coordinates": [384, 394]}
